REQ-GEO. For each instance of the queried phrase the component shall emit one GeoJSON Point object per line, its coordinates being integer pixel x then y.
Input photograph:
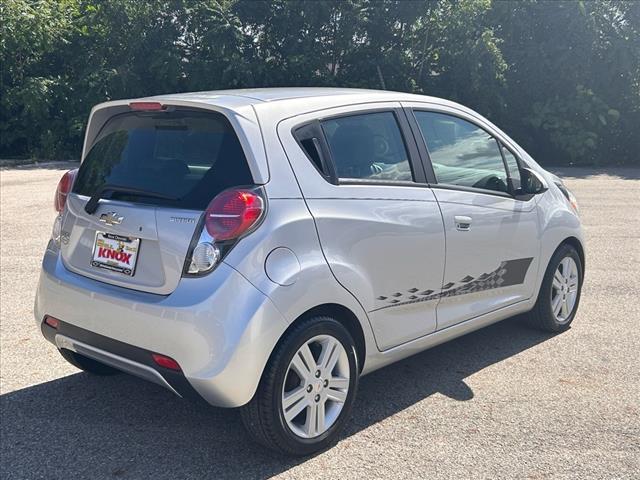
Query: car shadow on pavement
{"type": "Point", "coordinates": [82, 426]}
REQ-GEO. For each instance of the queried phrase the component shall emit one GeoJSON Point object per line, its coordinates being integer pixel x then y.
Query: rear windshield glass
{"type": "Point", "coordinates": [185, 155]}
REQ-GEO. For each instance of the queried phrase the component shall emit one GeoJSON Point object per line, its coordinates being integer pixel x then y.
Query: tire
{"type": "Point", "coordinates": [87, 364]}
{"type": "Point", "coordinates": [264, 416]}
{"type": "Point", "coordinates": [542, 316]}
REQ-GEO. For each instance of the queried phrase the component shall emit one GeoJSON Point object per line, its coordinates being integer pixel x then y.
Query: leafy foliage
{"type": "Point", "coordinates": [562, 77]}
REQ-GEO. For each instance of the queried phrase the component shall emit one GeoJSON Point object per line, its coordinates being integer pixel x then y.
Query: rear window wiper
{"type": "Point", "coordinates": [107, 190]}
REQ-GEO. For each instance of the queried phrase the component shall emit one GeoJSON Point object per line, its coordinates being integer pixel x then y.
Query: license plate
{"type": "Point", "coordinates": [115, 253]}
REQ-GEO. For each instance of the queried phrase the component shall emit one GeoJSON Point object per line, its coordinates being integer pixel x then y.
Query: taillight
{"type": "Point", "coordinates": [232, 213]}
{"type": "Point", "coordinates": [64, 187]}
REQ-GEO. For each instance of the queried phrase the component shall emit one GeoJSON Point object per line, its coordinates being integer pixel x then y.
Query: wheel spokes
{"type": "Point", "coordinates": [310, 424]}
{"type": "Point", "coordinates": [300, 367]}
{"type": "Point", "coordinates": [338, 383]}
{"type": "Point", "coordinates": [558, 277]}
{"type": "Point", "coordinates": [292, 398]}
{"type": "Point", "coordinates": [328, 348]}
{"type": "Point", "coordinates": [320, 417]}
{"type": "Point", "coordinates": [331, 358]}
{"type": "Point", "coordinates": [322, 368]}
{"type": "Point", "coordinates": [296, 409]}
{"type": "Point", "coordinates": [337, 395]}
{"type": "Point", "coordinates": [307, 356]}
{"type": "Point", "coordinates": [567, 268]}
{"type": "Point", "coordinates": [556, 304]}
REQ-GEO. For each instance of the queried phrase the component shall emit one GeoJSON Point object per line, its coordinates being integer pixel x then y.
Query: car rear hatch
{"type": "Point", "coordinates": [139, 194]}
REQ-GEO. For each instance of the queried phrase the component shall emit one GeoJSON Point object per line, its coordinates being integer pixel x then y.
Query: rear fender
{"type": "Point", "coordinates": [283, 260]}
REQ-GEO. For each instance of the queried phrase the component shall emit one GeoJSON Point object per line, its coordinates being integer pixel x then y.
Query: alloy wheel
{"type": "Point", "coordinates": [316, 386]}
{"type": "Point", "coordinates": [564, 289]}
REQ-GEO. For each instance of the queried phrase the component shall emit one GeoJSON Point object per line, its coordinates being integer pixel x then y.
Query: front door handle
{"type": "Point", "coordinates": [463, 223]}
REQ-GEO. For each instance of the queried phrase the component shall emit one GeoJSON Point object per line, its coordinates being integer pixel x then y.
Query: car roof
{"type": "Point", "coordinates": [278, 103]}
{"type": "Point", "coordinates": [255, 96]}
{"type": "Point", "coordinates": [276, 93]}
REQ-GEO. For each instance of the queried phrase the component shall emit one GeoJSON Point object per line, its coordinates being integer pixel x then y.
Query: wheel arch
{"type": "Point", "coordinates": [549, 249]}
{"type": "Point", "coordinates": [577, 244]}
{"type": "Point", "coordinates": [342, 314]}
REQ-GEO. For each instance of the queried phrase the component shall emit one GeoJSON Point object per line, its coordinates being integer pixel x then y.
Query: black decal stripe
{"type": "Point", "coordinates": [508, 273]}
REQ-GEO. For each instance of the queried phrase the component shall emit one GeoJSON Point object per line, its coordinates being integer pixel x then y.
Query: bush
{"type": "Point", "coordinates": [563, 78]}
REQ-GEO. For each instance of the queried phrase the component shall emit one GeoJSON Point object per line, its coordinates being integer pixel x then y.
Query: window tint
{"type": "Point", "coordinates": [512, 167]}
{"type": "Point", "coordinates": [462, 153]}
{"type": "Point", "coordinates": [187, 155]}
{"type": "Point", "coordinates": [368, 146]}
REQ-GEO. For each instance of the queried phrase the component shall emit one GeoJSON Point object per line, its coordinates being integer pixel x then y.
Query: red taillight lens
{"type": "Point", "coordinates": [64, 187]}
{"type": "Point", "coordinates": [232, 213]}
{"type": "Point", "coordinates": [146, 106]}
{"type": "Point", "coordinates": [52, 322]}
{"type": "Point", "coordinates": [165, 362]}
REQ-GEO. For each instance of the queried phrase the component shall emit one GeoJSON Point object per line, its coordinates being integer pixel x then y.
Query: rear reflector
{"type": "Point", "coordinates": [146, 106]}
{"type": "Point", "coordinates": [52, 322]}
{"type": "Point", "coordinates": [165, 362]}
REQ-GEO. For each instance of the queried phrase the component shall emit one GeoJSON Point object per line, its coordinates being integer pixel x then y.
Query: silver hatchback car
{"type": "Point", "coordinates": [265, 248]}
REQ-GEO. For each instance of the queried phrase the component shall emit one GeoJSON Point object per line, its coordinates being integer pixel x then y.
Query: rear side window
{"type": "Point", "coordinates": [462, 153]}
{"type": "Point", "coordinates": [188, 155]}
{"type": "Point", "coordinates": [368, 147]}
{"type": "Point", "coordinates": [309, 137]}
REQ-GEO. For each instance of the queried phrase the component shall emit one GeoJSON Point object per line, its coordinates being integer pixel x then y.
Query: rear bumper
{"type": "Point", "coordinates": [219, 328]}
{"type": "Point", "coordinates": [128, 358]}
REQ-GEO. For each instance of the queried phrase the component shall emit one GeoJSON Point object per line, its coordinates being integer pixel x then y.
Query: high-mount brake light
{"type": "Point", "coordinates": [232, 213]}
{"type": "Point", "coordinates": [63, 189]}
{"type": "Point", "coordinates": [147, 106]}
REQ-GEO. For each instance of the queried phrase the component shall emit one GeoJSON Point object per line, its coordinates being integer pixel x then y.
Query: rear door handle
{"type": "Point", "coordinates": [463, 223]}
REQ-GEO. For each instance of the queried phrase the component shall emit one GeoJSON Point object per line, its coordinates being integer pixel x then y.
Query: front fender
{"type": "Point", "coordinates": [558, 222]}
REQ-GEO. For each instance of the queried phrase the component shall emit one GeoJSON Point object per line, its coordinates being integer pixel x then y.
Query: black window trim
{"type": "Point", "coordinates": [408, 139]}
{"type": "Point", "coordinates": [519, 161]}
{"type": "Point", "coordinates": [426, 157]}
{"type": "Point", "coordinates": [321, 146]}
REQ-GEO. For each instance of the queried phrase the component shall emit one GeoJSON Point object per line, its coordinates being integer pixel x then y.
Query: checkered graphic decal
{"type": "Point", "coordinates": [510, 272]}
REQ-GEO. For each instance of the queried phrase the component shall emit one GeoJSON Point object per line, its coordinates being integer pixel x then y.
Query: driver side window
{"type": "Point", "coordinates": [462, 153]}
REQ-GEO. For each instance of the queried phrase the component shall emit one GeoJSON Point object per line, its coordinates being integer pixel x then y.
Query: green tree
{"type": "Point", "coordinates": [569, 86]}
{"type": "Point", "coordinates": [33, 34]}
{"type": "Point", "coordinates": [562, 77]}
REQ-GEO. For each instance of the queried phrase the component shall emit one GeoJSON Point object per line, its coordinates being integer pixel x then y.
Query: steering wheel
{"type": "Point", "coordinates": [380, 145]}
{"type": "Point", "coordinates": [491, 182]}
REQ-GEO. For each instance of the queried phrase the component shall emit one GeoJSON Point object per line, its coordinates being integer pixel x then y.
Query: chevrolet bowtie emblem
{"type": "Point", "coordinates": [111, 218]}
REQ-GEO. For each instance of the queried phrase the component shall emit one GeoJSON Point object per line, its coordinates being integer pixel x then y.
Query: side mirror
{"type": "Point", "coordinates": [532, 182]}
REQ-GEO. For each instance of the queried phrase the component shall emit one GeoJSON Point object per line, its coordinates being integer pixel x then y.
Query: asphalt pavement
{"type": "Point", "coordinates": [503, 402]}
